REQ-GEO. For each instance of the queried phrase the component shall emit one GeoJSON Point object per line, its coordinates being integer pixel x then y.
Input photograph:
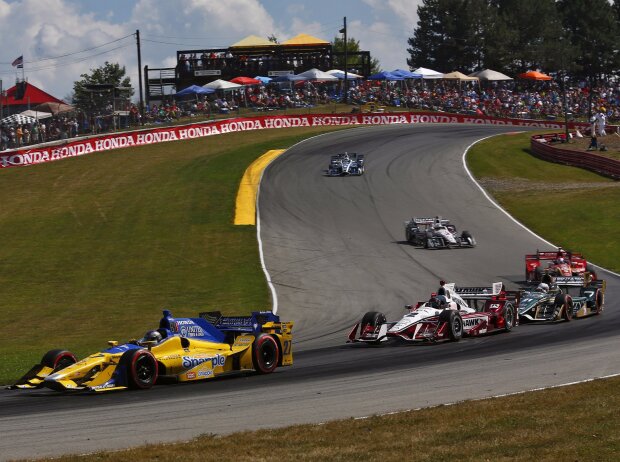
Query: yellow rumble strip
{"type": "Point", "coordinates": [245, 207]}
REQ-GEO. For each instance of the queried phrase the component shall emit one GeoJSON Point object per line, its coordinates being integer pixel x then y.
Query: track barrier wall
{"type": "Point", "coordinates": [82, 146]}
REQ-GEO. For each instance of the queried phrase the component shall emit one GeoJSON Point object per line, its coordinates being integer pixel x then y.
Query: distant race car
{"type": "Point", "coordinates": [180, 350]}
{"type": "Point", "coordinates": [556, 263]}
{"type": "Point", "coordinates": [449, 314]}
{"type": "Point", "coordinates": [348, 163]}
{"type": "Point", "coordinates": [562, 298]}
{"type": "Point", "coordinates": [436, 233]}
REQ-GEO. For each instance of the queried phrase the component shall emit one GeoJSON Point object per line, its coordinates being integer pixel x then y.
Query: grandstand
{"type": "Point", "coordinates": [250, 57]}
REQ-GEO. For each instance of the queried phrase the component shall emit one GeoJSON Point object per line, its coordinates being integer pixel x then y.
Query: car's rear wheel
{"type": "Point", "coordinates": [265, 354]}
{"type": "Point", "coordinates": [564, 307]}
{"type": "Point", "coordinates": [599, 301]}
{"type": "Point", "coordinates": [58, 359]}
{"type": "Point", "coordinates": [141, 368]}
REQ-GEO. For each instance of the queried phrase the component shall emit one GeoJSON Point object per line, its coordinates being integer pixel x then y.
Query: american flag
{"type": "Point", "coordinates": [19, 62]}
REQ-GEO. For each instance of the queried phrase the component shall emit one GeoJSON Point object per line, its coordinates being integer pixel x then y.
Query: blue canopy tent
{"type": "Point", "coordinates": [195, 90]}
{"type": "Point", "coordinates": [385, 75]}
{"type": "Point", "coordinates": [289, 78]}
{"type": "Point", "coordinates": [406, 74]}
{"type": "Point", "coordinates": [263, 79]}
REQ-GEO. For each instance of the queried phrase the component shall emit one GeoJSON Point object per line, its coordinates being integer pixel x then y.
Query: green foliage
{"type": "Point", "coordinates": [577, 36]}
{"type": "Point", "coordinates": [353, 61]}
{"type": "Point", "coordinates": [97, 90]}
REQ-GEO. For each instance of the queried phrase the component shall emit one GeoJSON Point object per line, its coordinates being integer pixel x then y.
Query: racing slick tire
{"type": "Point", "coordinates": [373, 318]}
{"type": "Point", "coordinates": [58, 359]}
{"type": "Point", "coordinates": [140, 367]}
{"type": "Point", "coordinates": [466, 236]}
{"type": "Point", "coordinates": [564, 303]}
{"type": "Point", "coordinates": [538, 274]}
{"type": "Point", "coordinates": [509, 317]}
{"type": "Point", "coordinates": [265, 354]}
{"type": "Point", "coordinates": [599, 301]}
{"type": "Point", "coordinates": [590, 269]}
{"type": "Point", "coordinates": [455, 324]}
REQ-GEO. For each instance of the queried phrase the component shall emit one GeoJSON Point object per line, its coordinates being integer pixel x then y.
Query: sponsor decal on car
{"type": "Point", "coordinates": [471, 322]}
{"type": "Point", "coordinates": [191, 375]}
{"type": "Point", "coordinates": [189, 362]}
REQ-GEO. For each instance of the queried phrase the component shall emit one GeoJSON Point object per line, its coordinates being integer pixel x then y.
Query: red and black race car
{"type": "Point", "coordinates": [556, 263]}
{"type": "Point", "coordinates": [449, 314]}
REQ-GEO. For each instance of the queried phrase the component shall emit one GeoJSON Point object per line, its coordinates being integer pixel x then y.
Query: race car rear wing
{"type": "Point", "coordinates": [579, 281]}
{"type": "Point", "coordinates": [495, 292]}
{"type": "Point", "coordinates": [428, 221]}
{"type": "Point", "coordinates": [551, 255]}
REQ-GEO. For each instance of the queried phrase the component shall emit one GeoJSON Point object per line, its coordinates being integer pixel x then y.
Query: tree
{"type": "Point", "coordinates": [97, 90]}
{"type": "Point", "coordinates": [594, 32]}
{"type": "Point", "coordinates": [353, 60]}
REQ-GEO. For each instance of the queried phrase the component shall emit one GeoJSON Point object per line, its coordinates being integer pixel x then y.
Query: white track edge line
{"type": "Point", "coordinates": [499, 207]}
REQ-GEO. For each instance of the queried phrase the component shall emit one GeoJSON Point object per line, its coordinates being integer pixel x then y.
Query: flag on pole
{"type": "Point", "coordinates": [19, 62]}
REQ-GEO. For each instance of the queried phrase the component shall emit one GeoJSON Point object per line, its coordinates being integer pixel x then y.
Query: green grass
{"type": "Point", "coordinates": [95, 247]}
{"type": "Point", "coordinates": [571, 207]}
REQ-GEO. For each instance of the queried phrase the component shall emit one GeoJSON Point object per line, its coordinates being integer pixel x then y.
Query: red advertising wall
{"type": "Point", "coordinates": [49, 153]}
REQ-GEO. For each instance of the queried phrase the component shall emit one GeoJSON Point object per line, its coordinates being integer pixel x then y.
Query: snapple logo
{"type": "Point", "coordinates": [190, 362]}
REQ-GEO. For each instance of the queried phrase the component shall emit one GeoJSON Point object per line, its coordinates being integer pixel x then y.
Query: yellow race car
{"type": "Point", "coordinates": [180, 350]}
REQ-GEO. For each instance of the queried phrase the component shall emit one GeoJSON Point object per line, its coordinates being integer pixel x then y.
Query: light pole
{"type": "Point", "coordinates": [346, 80]}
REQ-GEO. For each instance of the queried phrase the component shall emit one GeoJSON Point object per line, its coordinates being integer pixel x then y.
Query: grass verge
{"type": "Point", "coordinates": [571, 207]}
{"type": "Point", "coordinates": [576, 423]}
{"type": "Point", "coordinates": [96, 246]}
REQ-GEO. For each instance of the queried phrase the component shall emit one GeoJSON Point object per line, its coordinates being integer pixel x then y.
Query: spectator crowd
{"type": "Point", "coordinates": [511, 99]}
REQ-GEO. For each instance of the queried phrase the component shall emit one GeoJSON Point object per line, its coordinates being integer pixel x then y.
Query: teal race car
{"type": "Point", "coordinates": [562, 298]}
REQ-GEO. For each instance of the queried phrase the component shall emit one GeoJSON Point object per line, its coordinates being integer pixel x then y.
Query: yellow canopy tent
{"type": "Point", "coordinates": [252, 41]}
{"type": "Point", "coordinates": [304, 39]}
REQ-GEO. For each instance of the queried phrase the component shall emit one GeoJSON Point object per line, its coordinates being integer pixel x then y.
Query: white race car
{"type": "Point", "coordinates": [436, 233]}
{"type": "Point", "coordinates": [448, 315]}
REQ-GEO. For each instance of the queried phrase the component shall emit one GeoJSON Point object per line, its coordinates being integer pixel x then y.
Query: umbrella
{"type": "Point", "coordinates": [220, 84]}
{"type": "Point", "coordinates": [195, 90]}
{"type": "Point", "coordinates": [36, 114]}
{"type": "Point", "coordinates": [534, 75]}
{"type": "Point", "coordinates": [318, 76]}
{"type": "Point", "coordinates": [428, 73]}
{"type": "Point", "coordinates": [17, 119]}
{"type": "Point", "coordinates": [246, 81]}
{"type": "Point", "coordinates": [55, 108]}
{"type": "Point", "coordinates": [385, 75]}
{"type": "Point", "coordinates": [406, 74]}
{"type": "Point", "coordinates": [456, 75]}
{"type": "Point", "coordinates": [488, 74]}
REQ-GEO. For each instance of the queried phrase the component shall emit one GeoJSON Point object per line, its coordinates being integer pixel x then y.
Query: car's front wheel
{"type": "Point", "coordinates": [141, 368]}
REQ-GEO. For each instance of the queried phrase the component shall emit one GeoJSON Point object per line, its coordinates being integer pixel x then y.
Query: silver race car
{"type": "Point", "coordinates": [348, 163]}
{"type": "Point", "coordinates": [436, 233]}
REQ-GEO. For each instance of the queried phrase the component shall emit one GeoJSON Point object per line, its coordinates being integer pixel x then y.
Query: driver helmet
{"type": "Point", "coordinates": [542, 287]}
{"type": "Point", "coordinates": [434, 302]}
{"type": "Point", "coordinates": [561, 260]}
{"type": "Point", "coordinates": [152, 336]}
{"type": "Point", "coordinates": [442, 301]}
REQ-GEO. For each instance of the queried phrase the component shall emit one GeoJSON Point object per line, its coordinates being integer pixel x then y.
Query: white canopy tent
{"type": "Point", "coordinates": [36, 114]}
{"type": "Point", "coordinates": [428, 73]}
{"type": "Point", "coordinates": [488, 74]}
{"type": "Point", "coordinates": [340, 74]}
{"type": "Point", "coordinates": [316, 75]}
{"type": "Point", "coordinates": [220, 84]}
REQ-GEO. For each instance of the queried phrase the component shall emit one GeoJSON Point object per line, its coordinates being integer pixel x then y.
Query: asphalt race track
{"type": "Point", "coordinates": [334, 249]}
